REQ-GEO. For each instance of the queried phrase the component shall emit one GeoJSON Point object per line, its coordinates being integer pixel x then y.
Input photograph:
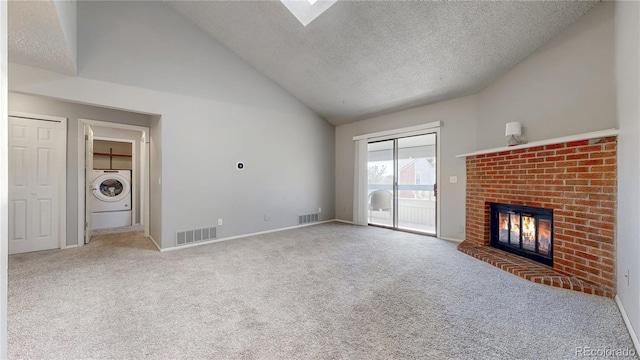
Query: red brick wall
{"type": "Point", "coordinates": [576, 179]}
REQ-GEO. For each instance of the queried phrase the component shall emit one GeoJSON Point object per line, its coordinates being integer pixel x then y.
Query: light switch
{"type": "Point", "coordinates": [453, 179]}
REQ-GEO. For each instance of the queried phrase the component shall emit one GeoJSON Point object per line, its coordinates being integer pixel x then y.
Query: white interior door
{"type": "Point", "coordinates": [88, 167]}
{"type": "Point", "coordinates": [36, 164]}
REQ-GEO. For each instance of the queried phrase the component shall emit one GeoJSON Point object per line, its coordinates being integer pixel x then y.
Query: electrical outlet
{"type": "Point", "coordinates": [453, 179]}
{"type": "Point", "coordinates": [461, 229]}
{"type": "Point", "coordinates": [627, 276]}
{"type": "Point", "coordinates": [319, 210]}
{"type": "Point", "coordinates": [219, 222]}
{"type": "Point", "coordinates": [266, 218]}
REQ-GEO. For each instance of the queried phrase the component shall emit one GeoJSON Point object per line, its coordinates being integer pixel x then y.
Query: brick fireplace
{"type": "Point", "coordinates": [576, 180]}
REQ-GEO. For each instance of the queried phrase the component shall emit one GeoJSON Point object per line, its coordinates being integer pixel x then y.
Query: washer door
{"type": "Point", "coordinates": [111, 187]}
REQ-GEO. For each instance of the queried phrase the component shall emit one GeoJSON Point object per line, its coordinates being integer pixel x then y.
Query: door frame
{"type": "Point", "coordinates": [134, 170]}
{"type": "Point", "coordinates": [432, 127]}
{"type": "Point", "coordinates": [62, 186]}
{"type": "Point", "coordinates": [144, 171]}
{"type": "Point", "coordinates": [398, 135]}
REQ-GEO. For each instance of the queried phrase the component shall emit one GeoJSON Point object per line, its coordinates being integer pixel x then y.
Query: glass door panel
{"type": "Point", "coordinates": [416, 190]}
{"type": "Point", "coordinates": [381, 179]}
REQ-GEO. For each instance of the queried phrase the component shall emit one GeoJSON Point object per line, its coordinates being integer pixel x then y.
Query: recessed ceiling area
{"type": "Point", "coordinates": [358, 59]}
{"type": "Point", "coordinates": [365, 58]}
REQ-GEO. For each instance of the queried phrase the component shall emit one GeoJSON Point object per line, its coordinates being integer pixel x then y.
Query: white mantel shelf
{"type": "Point", "coordinates": [564, 139]}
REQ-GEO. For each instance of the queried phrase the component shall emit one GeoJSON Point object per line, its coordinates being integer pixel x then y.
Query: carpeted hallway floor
{"type": "Point", "coordinates": [330, 291]}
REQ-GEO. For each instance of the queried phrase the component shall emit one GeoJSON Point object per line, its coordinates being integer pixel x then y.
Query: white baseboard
{"type": "Point", "coordinates": [242, 236]}
{"type": "Point", "coordinates": [154, 242]}
{"type": "Point", "coordinates": [451, 239]}
{"type": "Point", "coordinates": [69, 247]}
{"type": "Point", "coordinates": [627, 322]}
{"type": "Point", "coordinates": [343, 221]}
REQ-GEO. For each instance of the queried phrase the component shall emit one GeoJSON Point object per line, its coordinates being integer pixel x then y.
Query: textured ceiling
{"type": "Point", "coordinates": [358, 59]}
{"type": "Point", "coordinates": [36, 37]}
{"type": "Point", "coordinates": [366, 58]}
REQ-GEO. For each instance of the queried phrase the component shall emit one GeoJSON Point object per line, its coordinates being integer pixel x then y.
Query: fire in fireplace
{"type": "Point", "coordinates": [523, 230]}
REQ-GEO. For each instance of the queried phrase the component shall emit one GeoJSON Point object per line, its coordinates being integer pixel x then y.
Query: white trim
{"type": "Point", "coordinates": [450, 239]}
{"type": "Point", "coordinates": [114, 125]}
{"type": "Point", "coordinates": [430, 128]}
{"type": "Point", "coordinates": [144, 187]}
{"type": "Point", "coordinates": [438, 181]}
{"type": "Point", "coordinates": [627, 322]}
{"type": "Point", "coordinates": [4, 180]}
{"type": "Point", "coordinates": [155, 243]}
{"type": "Point", "coordinates": [62, 161]}
{"type": "Point", "coordinates": [343, 221]}
{"type": "Point", "coordinates": [360, 186]}
{"type": "Point", "coordinates": [71, 246]}
{"type": "Point", "coordinates": [558, 140]}
{"type": "Point", "coordinates": [63, 188]}
{"type": "Point", "coordinates": [25, 115]}
{"type": "Point", "coordinates": [410, 129]}
{"type": "Point", "coordinates": [106, 138]}
{"type": "Point", "coordinates": [241, 236]}
{"type": "Point", "coordinates": [134, 171]}
{"type": "Point", "coordinates": [81, 183]}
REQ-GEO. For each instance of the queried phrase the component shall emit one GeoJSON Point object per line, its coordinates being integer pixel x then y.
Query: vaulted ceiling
{"type": "Point", "coordinates": [358, 59]}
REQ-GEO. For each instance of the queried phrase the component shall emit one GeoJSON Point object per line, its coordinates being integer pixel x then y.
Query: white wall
{"type": "Point", "coordinates": [457, 136]}
{"type": "Point", "coordinates": [4, 181]}
{"type": "Point", "coordinates": [73, 111]}
{"type": "Point", "coordinates": [566, 87]}
{"type": "Point", "coordinates": [155, 173]}
{"type": "Point", "coordinates": [148, 45]}
{"type": "Point", "coordinates": [215, 110]}
{"type": "Point", "coordinates": [67, 15]}
{"type": "Point", "coordinates": [627, 28]}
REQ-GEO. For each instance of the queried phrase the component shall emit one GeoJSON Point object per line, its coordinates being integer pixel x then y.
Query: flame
{"type": "Point", "coordinates": [509, 232]}
{"type": "Point", "coordinates": [504, 228]}
{"type": "Point", "coordinates": [544, 236]}
{"type": "Point", "coordinates": [528, 233]}
{"type": "Point", "coordinates": [515, 229]}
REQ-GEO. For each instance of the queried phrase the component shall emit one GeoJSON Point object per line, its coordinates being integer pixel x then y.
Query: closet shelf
{"type": "Point", "coordinates": [114, 155]}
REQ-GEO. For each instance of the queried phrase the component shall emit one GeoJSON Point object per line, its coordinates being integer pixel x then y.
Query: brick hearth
{"type": "Point", "coordinates": [577, 180]}
{"type": "Point", "coordinates": [530, 270]}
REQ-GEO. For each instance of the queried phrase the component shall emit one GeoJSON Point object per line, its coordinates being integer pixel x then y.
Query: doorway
{"type": "Point", "coordinates": [118, 150]}
{"type": "Point", "coordinates": [401, 183]}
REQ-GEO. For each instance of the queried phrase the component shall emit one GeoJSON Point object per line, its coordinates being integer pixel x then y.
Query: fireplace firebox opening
{"type": "Point", "coordinates": [522, 230]}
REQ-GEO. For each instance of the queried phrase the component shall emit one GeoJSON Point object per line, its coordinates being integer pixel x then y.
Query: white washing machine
{"type": "Point", "coordinates": [111, 200]}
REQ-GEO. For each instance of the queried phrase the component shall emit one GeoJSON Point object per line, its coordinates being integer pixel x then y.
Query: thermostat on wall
{"type": "Point", "coordinates": [240, 166]}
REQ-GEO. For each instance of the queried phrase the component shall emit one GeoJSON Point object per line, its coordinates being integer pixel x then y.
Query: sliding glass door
{"type": "Point", "coordinates": [417, 183]}
{"type": "Point", "coordinates": [381, 178]}
{"type": "Point", "coordinates": [402, 183]}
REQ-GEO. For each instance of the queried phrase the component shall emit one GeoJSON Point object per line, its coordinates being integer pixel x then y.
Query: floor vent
{"type": "Point", "coordinates": [305, 219]}
{"type": "Point", "coordinates": [192, 236]}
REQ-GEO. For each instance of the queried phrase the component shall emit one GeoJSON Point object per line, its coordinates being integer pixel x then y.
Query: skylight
{"type": "Point", "coordinates": [307, 10]}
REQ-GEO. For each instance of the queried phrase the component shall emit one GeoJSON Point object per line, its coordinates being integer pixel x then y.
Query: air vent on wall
{"type": "Point", "coordinates": [309, 218]}
{"type": "Point", "coordinates": [192, 236]}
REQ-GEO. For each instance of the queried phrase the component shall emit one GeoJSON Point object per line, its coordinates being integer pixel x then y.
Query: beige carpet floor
{"type": "Point", "coordinates": [329, 291]}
